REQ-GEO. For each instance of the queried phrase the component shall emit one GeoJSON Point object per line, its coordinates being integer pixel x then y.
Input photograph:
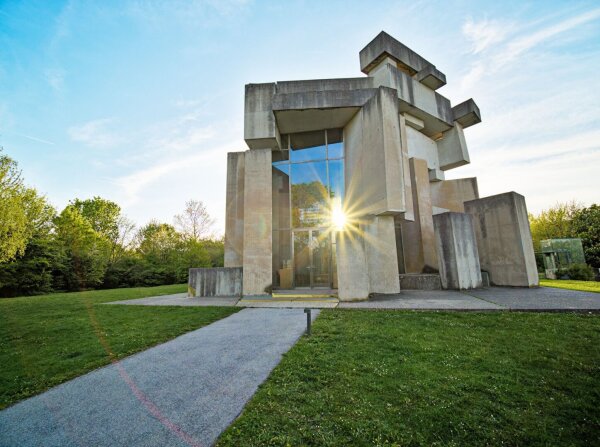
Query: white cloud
{"type": "Point", "coordinates": [485, 33]}
{"type": "Point", "coordinates": [55, 78]}
{"type": "Point", "coordinates": [95, 134]}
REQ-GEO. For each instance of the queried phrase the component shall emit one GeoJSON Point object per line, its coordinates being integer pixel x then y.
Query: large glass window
{"type": "Point", "coordinates": [308, 185]}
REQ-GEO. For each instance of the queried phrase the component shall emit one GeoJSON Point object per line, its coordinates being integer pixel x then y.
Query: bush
{"type": "Point", "coordinates": [582, 272]}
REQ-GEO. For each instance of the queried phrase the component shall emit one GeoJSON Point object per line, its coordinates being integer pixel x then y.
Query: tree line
{"type": "Point", "coordinates": [91, 244]}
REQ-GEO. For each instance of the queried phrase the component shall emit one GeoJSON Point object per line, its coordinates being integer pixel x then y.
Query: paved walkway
{"type": "Point", "coordinates": [490, 299]}
{"type": "Point", "coordinates": [183, 392]}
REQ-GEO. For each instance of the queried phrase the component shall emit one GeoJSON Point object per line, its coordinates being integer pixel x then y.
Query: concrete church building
{"type": "Point", "coordinates": [343, 187]}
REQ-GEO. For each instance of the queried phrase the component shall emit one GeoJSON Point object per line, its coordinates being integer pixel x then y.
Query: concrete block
{"type": "Point", "coordinates": [258, 214]}
{"type": "Point", "coordinates": [431, 77]}
{"type": "Point", "coordinates": [373, 164]}
{"type": "Point", "coordinates": [420, 281]}
{"type": "Point", "coordinates": [422, 147]}
{"type": "Point", "coordinates": [466, 113]}
{"type": "Point", "coordinates": [234, 213]}
{"type": "Point", "coordinates": [384, 45]}
{"type": "Point", "coordinates": [452, 194]}
{"type": "Point", "coordinates": [457, 251]}
{"type": "Point", "coordinates": [452, 149]}
{"type": "Point", "coordinates": [260, 128]}
{"type": "Point", "coordinates": [413, 121]}
{"type": "Point", "coordinates": [352, 274]}
{"type": "Point", "coordinates": [380, 253]}
{"type": "Point", "coordinates": [417, 99]}
{"type": "Point", "coordinates": [210, 282]}
{"type": "Point", "coordinates": [504, 239]}
{"type": "Point", "coordinates": [418, 237]}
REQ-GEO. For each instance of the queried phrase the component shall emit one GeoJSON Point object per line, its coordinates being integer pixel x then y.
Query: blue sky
{"type": "Point", "coordinates": [139, 101]}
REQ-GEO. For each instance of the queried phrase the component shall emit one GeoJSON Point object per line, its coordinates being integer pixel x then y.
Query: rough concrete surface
{"type": "Point", "coordinates": [180, 299]}
{"type": "Point", "coordinates": [423, 300]}
{"type": "Point", "coordinates": [539, 299]}
{"type": "Point", "coordinates": [183, 392]}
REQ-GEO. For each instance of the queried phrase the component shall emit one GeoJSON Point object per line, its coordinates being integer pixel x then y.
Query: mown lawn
{"type": "Point", "coordinates": [46, 340]}
{"type": "Point", "coordinates": [390, 378]}
{"type": "Point", "coordinates": [584, 286]}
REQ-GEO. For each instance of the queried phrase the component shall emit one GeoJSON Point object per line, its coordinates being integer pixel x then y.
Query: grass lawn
{"type": "Point", "coordinates": [584, 286]}
{"type": "Point", "coordinates": [46, 340]}
{"type": "Point", "coordinates": [391, 378]}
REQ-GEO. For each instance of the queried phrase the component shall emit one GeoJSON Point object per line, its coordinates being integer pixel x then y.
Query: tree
{"type": "Point", "coordinates": [554, 223]}
{"type": "Point", "coordinates": [195, 222]}
{"type": "Point", "coordinates": [586, 225]}
{"type": "Point", "coordinates": [85, 251]}
{"type": "Point", "coordinates": [22, 209]}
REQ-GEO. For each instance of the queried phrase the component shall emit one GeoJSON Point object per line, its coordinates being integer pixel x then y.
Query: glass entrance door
{"type": "Point", "coordinates": [312, 258]}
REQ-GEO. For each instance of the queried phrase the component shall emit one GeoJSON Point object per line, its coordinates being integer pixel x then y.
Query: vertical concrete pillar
{"type": "Point", "coordinates": [504, 239]}
{"type": "Point", "coordinates": [234, 214]}
{"type": "Point", "coordinates": [352, 273]}
{"type": "Point", "coordinates": [380, 250]}
{"type": "Point", "coordinates": [409, 214]}
{"type": "Point", "coordinates": [418, 237]}
{"type": "Point", "coordinates": [457, 250]}
{"type": "Point", "coordinates": [258, 247]}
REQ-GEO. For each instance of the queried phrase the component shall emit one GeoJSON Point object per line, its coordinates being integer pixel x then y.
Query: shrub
{"type": "Point", "coordinates": [582, 272]}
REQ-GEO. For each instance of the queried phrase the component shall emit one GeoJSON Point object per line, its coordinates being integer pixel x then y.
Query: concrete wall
{"type": "Point", "coordinates": [258, 248]}
{"type": "Point", "coordinates": [380, 250]}
{"type": "Point", "coordinates": [215, 282]}
{"type": "Point", "coordinates": [423, 147]}
{"type": "Point", "coordinates": [418, 237]}
{"type": "Point", "coordinates": [234, 213]}
{"type": "Point", "coordinates": [451, 195]}
{"type": "Point", "coordinates": [504, 239]}
{"type": "Point", "coordinates": [457, 251]}
{"type": "Point", "coordinates": [373, 165]}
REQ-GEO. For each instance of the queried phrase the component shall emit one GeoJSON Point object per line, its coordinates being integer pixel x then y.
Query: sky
{"type": "Point", "coordinates": [139, 101]}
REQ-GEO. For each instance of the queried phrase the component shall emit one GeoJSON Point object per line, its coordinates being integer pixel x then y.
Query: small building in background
{"type": "Point", "coordinates": [560, 254]}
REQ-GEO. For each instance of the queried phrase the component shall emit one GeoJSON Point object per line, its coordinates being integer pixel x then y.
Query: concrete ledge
{"type": "Point", "coordinates": [420, 281]}
{"type": "Point", "coordinates": [466, 113]}
{"type": "Point", "coordinates": [215, 282]}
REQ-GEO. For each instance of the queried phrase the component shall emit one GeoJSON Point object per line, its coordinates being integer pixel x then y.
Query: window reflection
{"type": "Point", "coordinates": [309, 194]}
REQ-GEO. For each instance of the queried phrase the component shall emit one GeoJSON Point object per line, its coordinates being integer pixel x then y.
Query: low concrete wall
{"type": "Point", "coordinates": [457, 251]}
{"type": "Point", "coordinates": [224, 281]}
{"type": "Point", "coordinates": [420, 281]}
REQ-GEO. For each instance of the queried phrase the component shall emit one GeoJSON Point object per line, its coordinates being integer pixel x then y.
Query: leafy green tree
{"type": "Point", "coordinates": [85, 251]}
{"type": "Point", "coordinates": [586, 225]}
{"type": "Point", "coordinates": [216, 251]}
{"type": "Point", "coordinates": [22, 210]}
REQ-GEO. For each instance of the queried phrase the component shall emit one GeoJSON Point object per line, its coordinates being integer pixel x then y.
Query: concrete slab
{"type": "Point", "coordinates": [180, 299]}
{"type": "Point", "coordinates": [539, 299]}
{"type": "Point", "coordinates": [288, 304]}
{"type": "Point", "coordinates": [424, 300]}
{"type": "Point", "coordinates": [182, 393]}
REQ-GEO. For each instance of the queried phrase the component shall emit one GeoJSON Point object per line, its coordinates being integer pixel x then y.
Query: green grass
{"type": "Point", "coordinates": [583, 286]}
{"type": "Point", "coordinates": [386, 378]}
{"type": "Point", "coordinates": [46, 340]}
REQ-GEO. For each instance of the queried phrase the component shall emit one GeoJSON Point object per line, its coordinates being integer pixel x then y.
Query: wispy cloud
{"type": "Point", "coordinates": [95, 134]}
{"type": "Point", "coordinates": [32, 138]}
{"type": "Point", "coordinates": [496, 50]}
{"type": "Point", "coordinates": [55, 78]}
{"type": "Point", "coordinates": [485, 33]}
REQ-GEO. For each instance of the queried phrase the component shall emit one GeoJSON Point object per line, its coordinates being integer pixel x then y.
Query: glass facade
{"type": "Point", "coordinates": [308, 183]}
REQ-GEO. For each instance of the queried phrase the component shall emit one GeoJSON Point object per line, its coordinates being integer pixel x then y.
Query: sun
{"type": "Point", "coordinates": [338, 217]}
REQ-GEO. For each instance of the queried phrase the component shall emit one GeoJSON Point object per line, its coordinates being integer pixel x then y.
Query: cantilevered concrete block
{"type": "Point", "coordinates": [452, 149]}
{"type": "Point", "coordinates": [258, 248]}
{"type": "Point", "coordinates": [504, 239]}
{"type": "Point", "coordinates": [260, 129]}
{"type": "Point", "coordinates": [466, 113]}
{"type": "Point", "coordinates": [418, 237]}
{"type": "Point", "coordinates": [457, 251]}
{"type": "Point", "coordinates": [381, 256]}
{"type": "Point", "coordinates": [451, 195]}
{"type": "Point", "coordinates": [431, 77]}
{"type": "Point", "coordinates": [234, 213]}
{"type": "Point", "coordinates": [373, 164]}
